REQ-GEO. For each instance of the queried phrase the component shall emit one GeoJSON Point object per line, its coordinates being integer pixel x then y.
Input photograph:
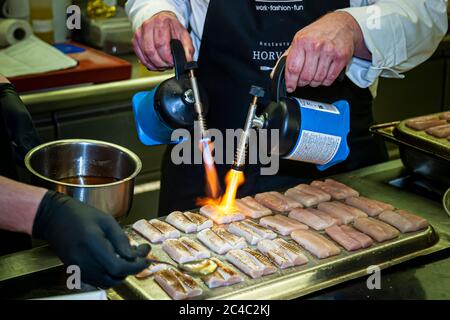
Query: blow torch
{"type": "Point", "coordinates": [173, 104]}
{"type": "Point", "coordinates": [309, 131]}
{"type": "Point", "coordinates": [176, 103]}
{"type": "Point", "coordinates": [235, 177]}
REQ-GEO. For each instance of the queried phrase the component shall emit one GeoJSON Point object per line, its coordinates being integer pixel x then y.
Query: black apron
{"type": "Point", "coordinates": [241, 41]}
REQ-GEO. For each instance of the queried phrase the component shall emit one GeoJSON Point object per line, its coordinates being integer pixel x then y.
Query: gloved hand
{"type": "Point", "coordinates": [85, 236]}
{"type": "Point", "coordinates": [18, 121]}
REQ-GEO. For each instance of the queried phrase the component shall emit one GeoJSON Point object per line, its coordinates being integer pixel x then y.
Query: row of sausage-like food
{"type": "Point", "coordinates": [323, 218]}
{"type": "Point", "coordinates": [435, 125]}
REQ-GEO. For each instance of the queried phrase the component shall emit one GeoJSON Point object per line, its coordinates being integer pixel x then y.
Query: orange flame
{"type": "Point", "coordinates": [212, 178]}
{"type": "Point", "coordinates": [234, 179]}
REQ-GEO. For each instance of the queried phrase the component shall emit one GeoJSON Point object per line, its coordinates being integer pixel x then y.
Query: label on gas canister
{"type": "Point", "coordinates": [318, 106]}
{"type": "Point", "coordinates": [315, 147]}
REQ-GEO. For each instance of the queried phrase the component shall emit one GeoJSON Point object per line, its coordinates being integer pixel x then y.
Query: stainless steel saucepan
{"type": "Point", "coordinates": [97, 173]}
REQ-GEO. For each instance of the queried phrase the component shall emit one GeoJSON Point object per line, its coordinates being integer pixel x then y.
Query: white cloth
{"type": "Point", "coordinates": [400, 34]}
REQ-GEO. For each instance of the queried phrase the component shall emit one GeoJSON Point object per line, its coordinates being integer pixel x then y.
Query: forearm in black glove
{"type": "Point", "coordinates": [84, 236]}
{"type": "Point", "coordinates": [18, 121]}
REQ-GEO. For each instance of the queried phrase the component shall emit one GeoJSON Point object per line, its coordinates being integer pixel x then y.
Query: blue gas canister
{"type": "Point", "coordinates": [169, 106]}
{"type": "Point", "coordinates": [309, 131]}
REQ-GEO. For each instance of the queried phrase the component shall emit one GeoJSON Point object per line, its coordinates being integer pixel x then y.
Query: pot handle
{"type": "Point", "coordinates": [179, 58]}
{"type": "Point", "coordinates": [279, 83]}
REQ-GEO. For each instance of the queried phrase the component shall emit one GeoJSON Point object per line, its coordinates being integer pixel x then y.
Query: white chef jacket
{"type": "Point", "coordinates": [400, 34]}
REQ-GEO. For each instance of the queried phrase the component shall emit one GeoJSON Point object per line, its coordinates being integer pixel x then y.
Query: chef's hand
{"type": "Point", "coordinates": [91, 239]}
{"type": "Point", "coordinates": [151, 41]}
{"type": "Point", "coordinates": [320, 51]}
{"type": "Point", "coordinates": [18, 120]}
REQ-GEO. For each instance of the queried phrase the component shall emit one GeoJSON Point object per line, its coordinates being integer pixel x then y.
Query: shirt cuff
{"type": "Point", "coordinates": [364, 74]}
{"type": "Point", "coordinates": [386, 49]}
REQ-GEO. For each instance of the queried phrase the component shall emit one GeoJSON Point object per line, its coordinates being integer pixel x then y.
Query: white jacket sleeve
{"type": "Point", "coordinates": [140, 10]}
{"type": "Point", "coordinates": [400, 34]}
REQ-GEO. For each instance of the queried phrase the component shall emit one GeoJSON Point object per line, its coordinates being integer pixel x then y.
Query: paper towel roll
{"type": "Point", "coordinates": [13, 31]}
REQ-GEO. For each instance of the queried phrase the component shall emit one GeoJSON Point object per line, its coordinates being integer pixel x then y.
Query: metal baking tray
{"type": "Point", "coordinates": [420, 153]}
{"type": "Point", "coordinates": [439, 147]}
{"type": "Point", "coordinates": [297, 281]}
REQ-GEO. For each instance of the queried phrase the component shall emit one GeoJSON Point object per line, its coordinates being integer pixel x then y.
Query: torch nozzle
{"type": "Point", "coordinates": [236, 167]}
{"type": "Point", "coordinates": [198, 103]}
{"type": "Point", "coordinates": [241, 151]}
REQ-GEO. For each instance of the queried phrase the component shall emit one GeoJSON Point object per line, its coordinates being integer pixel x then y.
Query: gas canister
{"type": "Point", "coordinates": [309, 131]}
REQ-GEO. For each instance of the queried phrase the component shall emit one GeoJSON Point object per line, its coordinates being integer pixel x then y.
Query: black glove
{"type": "Point", "coordinates": [18, 121]}
{"type": "Point", "coordinates": [84, 236]}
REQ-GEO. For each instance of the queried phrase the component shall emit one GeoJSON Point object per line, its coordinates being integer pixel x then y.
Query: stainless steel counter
{"type": "Point", "coordinates": [63, 99]}
{"type": "Point", "coordinates": [424, 277]}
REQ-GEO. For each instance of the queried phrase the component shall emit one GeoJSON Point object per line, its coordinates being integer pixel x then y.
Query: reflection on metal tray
{"type": "Point", "coordinates": [420, 185]}
{"type": "Point", "coordinates": [446, 201]}
{"type": "Point", "coordinates": [420, 153]}
{"type": "Point", "coordinates": [297, 281]}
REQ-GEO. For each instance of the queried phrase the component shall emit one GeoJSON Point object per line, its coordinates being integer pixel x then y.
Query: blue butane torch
{"type": "Point", "coordinates": [175, 103]}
